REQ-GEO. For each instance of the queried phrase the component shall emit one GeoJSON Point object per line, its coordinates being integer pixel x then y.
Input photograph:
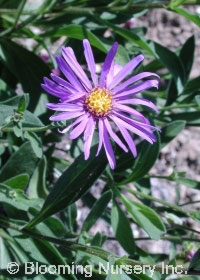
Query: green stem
{"type": "Point", "coordinates": [20, 10]}
{"type": "Point", "coordinates": [190, 202]}
{"type": "Point", "coordinates": [170, 238]}
{"type": "Point", "coordinates": [179, 106]}
{"type": "Point", "coordinates": [158, 177]}
{"type": "Point", "coordinates": [110, 8]}
{"type": "Point", "coordinates": [33, 129]}
{"type": "Point", "coordinates": [87, 249]}
{"type": "Point", "coordinates": [163, 202]}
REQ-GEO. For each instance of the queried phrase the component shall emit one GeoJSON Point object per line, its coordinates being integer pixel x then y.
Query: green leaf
{"type": "Point", "coordinates": [97, 211]}
{"type": "Point", "coordinates": [16, 198]}
{"type": "Point", "coordinates": [131, 36]}
{"type": "Point", "coordinates": [52, 227]}
{"type": "Point", "coordinates": [22, 104]}
{"type": "Point", "coordinates": [35, 142]}
{"type": "Point", "coordinates": [145, 217]}
{"type": "Point", "coordinates": [17, 129]}
{"type": "Point", "coordinates": [195, 262]}
{"type": "Point", "coordinates": [185, 13]}
{"type": "Point", "coordinates": [38, 250]}
{"type": "Point", "coordinates": [72, 184]}
{"type": "Point", "coordinates": [26, 66]}
{"type": "Point", "coordinates": [23, 160]}
{"type": "Point", "coordinates": [175, 3]}
{"type": "Point", "coordinates": [5, 256]}
{"type": "Point", "coordinates": [170, 131]}
{"type": "Point", "coordinates": [191, 118]}
{"type": "Point", "coordinates": [147, 155]}
{"type": "Point", "coordinates": [173, 63]}
{"type": "Point", "coordinates": [187, 55]}
{"type": "Point", "coordinates": [188, 182]}
{"type": "Point", "coordinates": [122, 229]}
{"type": "Point", "coordinates": [68, 217]}
{"type": "Point", "coordinates": [77, 32]}
{"type": "Point", "coordinates": [30, 120]}
{"type": "Point", "coordinates": [192, 86]}
{"type": "Point", "coordinates": [37, 185]}
{"type": "Point", "coordinates": [97, 240]}
{"type": "Point", "coordinates": [18, 182]}
{"type": "Point", "coordinates": [172, 92]}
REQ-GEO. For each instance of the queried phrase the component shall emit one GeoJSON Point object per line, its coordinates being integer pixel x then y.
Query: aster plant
{"type": "Point", "coordinates": [64, 211]}
{"type": "Point", "coordinates": [102, 102]}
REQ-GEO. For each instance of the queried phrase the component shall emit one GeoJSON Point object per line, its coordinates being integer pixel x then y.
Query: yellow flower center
{"type": "Point", "coordinates": [99, 102]}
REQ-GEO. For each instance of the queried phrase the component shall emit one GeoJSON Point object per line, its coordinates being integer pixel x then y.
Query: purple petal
{"type": "Point", "coordinates": [108, 149]}
{"type": "Point", "coordinates": [138, 88]}
{"type": "Point", "coordinates": [70, 58]}
{"type": "Point", "coordinates": [53, 91]}
{"type": "Point", "coordinates": [132, 128]}
{"type": "Point", "coordinates": [52, 88]}
{"type": "Point", "coordinates": [131, 111]}
{"type": "Point", "coordinates": [133, 80]}
{"type": "Point", "coordinates": [64, 107]}
{"type": "Point", "coordinates": [107, 64]}
{"type": "Point", "coordinates": [127, 69]}
{"type": "Point", "coordinates": [90, 61]}
{"type": "Point", "coordinates": [72, 124]}
{"type": "Point", "coordinates": [145, 125]}
{"type": "Point", "coordinates": [100, 136]}
{"type": "Point", "coordinates": [128, 139]}
{"type": "Point", "coordinates": [55, 86]}
{"type": "Point", "coordinates": [114, 135]}
{"type": "Point", "coordinates": [78, 130]}
{"type": "Point", "coordinates": [88, 135]}
{"type": "Point", "coordinates": [69, 74]}
{"type": "Point", "coordinates": [75, 97]}
{"type": "Point", "coordinates": [139, 101]}
{"type": "Point", "coordinates": [63, 83]}
{"type": "Point", "coordinates": [64, 116]}
{"type": "Point", "coordinates": [114, 69]}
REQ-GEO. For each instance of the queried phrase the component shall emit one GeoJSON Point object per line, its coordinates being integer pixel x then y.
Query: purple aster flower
{"type": "Point", "coordinates": [101, 102]}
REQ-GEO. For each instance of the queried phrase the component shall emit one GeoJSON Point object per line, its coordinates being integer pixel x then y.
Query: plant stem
{"type": "Point", "coordinates": [33, 129]}
{"type": "Point", "coordinates": [19, 12]}
{"type": "Point", "coordinates": [179, 106]}
{"type": "Point", "coordinates": [170, 238]}
{"type": "Point", "coordinates": [87, 249]}
{"type": "Point", "coordinates": [149, 197]}
{"type": "Point", "coordinates": [110, 8]}
{"type": "Point", "coordinates": [190, 202]}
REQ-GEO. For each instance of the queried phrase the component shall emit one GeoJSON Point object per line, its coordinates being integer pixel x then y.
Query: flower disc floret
{"type": "Point", "coordinates": [99, 102]}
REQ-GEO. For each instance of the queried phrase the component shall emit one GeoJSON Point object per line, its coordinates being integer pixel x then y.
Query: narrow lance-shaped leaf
{"type": "Point", "coordinates": [72, 184]}
{"type": "Point", "coordinates": [187, 55]}
{"type": "Point", "coordinates": [145, 217]}
{"type": "Point", "coordinates": [18, 182]}
{"type": "Point", "coordinates": [122, 229]}
{"type": "Point", "coordinates": [23, 160]}
{"type": "Point", "coordinates": [97, 210]}
{"type": "Point", "coordinates": [188, 15]}
{"type": "Point", "coordinates": [37, 185]}
{"type": "Point", "coordinates": [26, 66]}
{"type": "Point", "coordinates": [170, 131]}
{"type": "Point", "coordinates": [195, 262]}
{"type": "Point", "coordinates": [147, 155]}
